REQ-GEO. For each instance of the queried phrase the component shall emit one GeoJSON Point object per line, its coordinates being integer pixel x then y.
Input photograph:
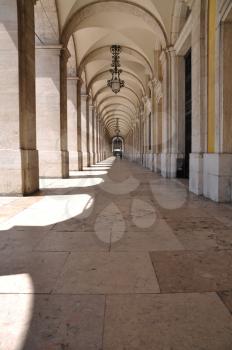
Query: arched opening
{"type": "Point", "coordinates": [117, 146]}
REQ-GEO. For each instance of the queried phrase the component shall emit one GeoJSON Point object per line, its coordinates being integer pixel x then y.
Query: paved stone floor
{"type": "Point", "coordinates": [115, 258]}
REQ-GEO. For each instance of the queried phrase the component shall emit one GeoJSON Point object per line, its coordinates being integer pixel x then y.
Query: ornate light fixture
{"type": "Point", "coordinates": [115, 83]}
{"type": "Point", "coordinates": [117, 130]}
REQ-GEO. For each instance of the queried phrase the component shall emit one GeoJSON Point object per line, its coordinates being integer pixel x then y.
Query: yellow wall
{"type": "Point", "coordinates": [211, 74]}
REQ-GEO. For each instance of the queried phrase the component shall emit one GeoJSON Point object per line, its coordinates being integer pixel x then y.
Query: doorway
{"type": "Point", "coordinates": [188, 112]}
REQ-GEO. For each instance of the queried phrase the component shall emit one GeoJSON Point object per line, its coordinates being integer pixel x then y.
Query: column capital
{"type": "Point", "coordinates": [49, 49]}
{"type": "Point", "coordinates": [163, 57]}
{"type": "Point", "coordinates": [73, 78]}
{"type": "Point", "coordinates": [65, 53]}
{"type": "Point", "coordinates": [171, 50]}
{"type": "Point", "coordinates": [85, 97]}
{"type": "Point", "coordinates": [93, 107]}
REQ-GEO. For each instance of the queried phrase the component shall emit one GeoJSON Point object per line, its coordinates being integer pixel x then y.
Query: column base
{"type": "Point", "coordinates": [84, 159]}
{"type": "Point", "coordinates": [53, 164]}
{"type": "Point", "coordinates": [93, 158]}
{"type": "Point", "coordinates": [157, 163]}
{"type": "Point", "coordinates": [80, 160]}
{"type": "Point", "coordinates": [217, 177]}
{"type": "Point", "coordinates": [88, 158]}
{"type": "Point", "coordinates": [65, 164]}
{"type": "Point", "coordinates": [73, 161]}
{"type": "Point", "coordinates": [174, 158]}
{"type": "Point", "coordinates": [165, 164]}
{"type": "Point", "coordinates": [196, 173]}
{"type": "Point", "coordinates": [150, 161]}
{"type": "Point", "coordinates": [19, 172]}
{"type": "Point", "coordinates": [169, 164]}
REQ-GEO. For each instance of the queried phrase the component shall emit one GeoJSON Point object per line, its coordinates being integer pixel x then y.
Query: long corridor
{"type": "Point", "coordinates": [115, 258]}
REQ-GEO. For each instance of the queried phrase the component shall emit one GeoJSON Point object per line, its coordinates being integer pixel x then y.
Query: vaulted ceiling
{"type": "Point", "coordinates": [90, 27]}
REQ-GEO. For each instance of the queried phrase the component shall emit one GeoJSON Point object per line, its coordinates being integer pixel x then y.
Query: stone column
{"type": "Point", "coordinates": [91, 108]}
{"type": "Point", "coordinates": [94, 135]}
{"type": "Point", "coordinates": [97, 138]}
{"type": "Point", "coordinates": [101, 141]}
{"type": "Point", "coordinates": [72, 123]}
{"type": "Point", "coordinates": [18, 154]}
{"type": "Point", "coordinates": [199, 97]}
{"type": "Point", "coordinates": [51, 110]}
{"type": "Point", "coordinates": [176, 135]}
{"type": "Point", "coordinates": [63, 112]}
{"type": "Point", "coordinates": [140, 138]}
{"type": "Point", "coordinates": [156, 155]}
{"type": "Point", "coordinates": [218, 165]}
{"type": "Point", "coordinates": [166, 127]}
{"type": "Point", "coordinates": [79, 127]}
{"type": "Point", "coordinates": [84, 129]}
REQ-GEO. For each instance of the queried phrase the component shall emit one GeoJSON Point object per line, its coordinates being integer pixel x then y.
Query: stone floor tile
{"type": "Point", "coordinates": [226, 297]}
{"type": "Point", "coordinates": [172, 322]}
{"type": "Point", "coordinates": [72, 242]}
{"type": "Point", "coordinates": [224, 239]}
{"type": "Point", "coordinates": [193, 271]}
{"type": "Point", "coordinates": [20, 240]}
{"type": "Point", "coordinates": [30, 272]}
{"type": "Point", "coordinates": [161, 237]}
{"type": "Point", "coordinates": [197, 239]}
{"type": "Point", "coordinates": [194, 223]}
{"type": "Point", "coordinates": [51, 322]}
{"type": "Point", "coordinates": [102, 273]}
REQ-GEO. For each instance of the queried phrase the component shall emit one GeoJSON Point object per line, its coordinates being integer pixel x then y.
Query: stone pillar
{"type": "Point", "coordinates": [84, 129]}
{"type": "Point", "coordinates": [18, 154]}
{"type": "Point", "coordinates": [94, 134]}
{"type": "Point", "coordinates": [63, 112]}
{"type": "Point", "coordinates": [51, 110]}
{"type": "Point", "coordinates": [72, 123]}
{"type": "Point", "coordinates": [91, 108]}
{"type": "Point", "coordinates": [165, 156]}
{"type": "Point", "coordinates": [79, 127]}
{"type": "Point", "coordinates": [97, 137]}
{"type": "Point", "coordinates": [101, 141]}
{"type": "Point", "coordinates": [199, 97]}
{"type": "Point", "coordinates": [156, 155]}
{"type": "Point", "coordinates": [175, 136]}
{"type": "Point", "coordinates": [218, 166]}
{"type": "Point", "coordinates": [140, 138]}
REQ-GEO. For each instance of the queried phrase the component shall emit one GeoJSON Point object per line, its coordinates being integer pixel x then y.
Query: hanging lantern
{"type": "Point", "coordinates": [115, 83]}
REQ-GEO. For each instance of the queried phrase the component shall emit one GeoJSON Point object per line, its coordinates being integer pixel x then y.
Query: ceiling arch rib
{"type": "Point", "coordinates": [117, 107]}
{"type": "Point", "coordinates": [115, 116]}
{"type": "Point", "coordinates": [113, 99]}
{"type": "Point", "coordinates": [111, 123]}
{"type": "Point", "coordinates": [123, 119]}
{"type": "Point", "coordinates": [124, 127]}
{"type": "Point", "coordinates": [126, 74]}
{"type": "Point", "coordinates": [106, 89]}
{"type": "Point", "coordinates": [94, 29]}
{"type": "Point", "coordinates": [115, 113]}
{"type": "Point", "coordinates": [123, 122]}
{"type": "Point", "coordinates": [80, 15]}
{"type": "Point", "coordinates": [99, 52]}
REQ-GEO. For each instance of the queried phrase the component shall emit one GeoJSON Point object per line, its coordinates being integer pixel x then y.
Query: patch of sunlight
{"type": "Point", "coordinates": [87, 173]}
{"type": "Point", "coordinates": [168, 193]}
{"type": "Point", "coordinates": [120, 188]}
{"type": "Point", "coordinates": [100, 168]}
{"type": "Point", "coordinates": [16, 310]}
{"type": "Point", "coordinates": [6, 200]}
{"type": "Point", "coordinates": [51, 210]}
{"type": "Point", "coordinates": [68, 183]}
